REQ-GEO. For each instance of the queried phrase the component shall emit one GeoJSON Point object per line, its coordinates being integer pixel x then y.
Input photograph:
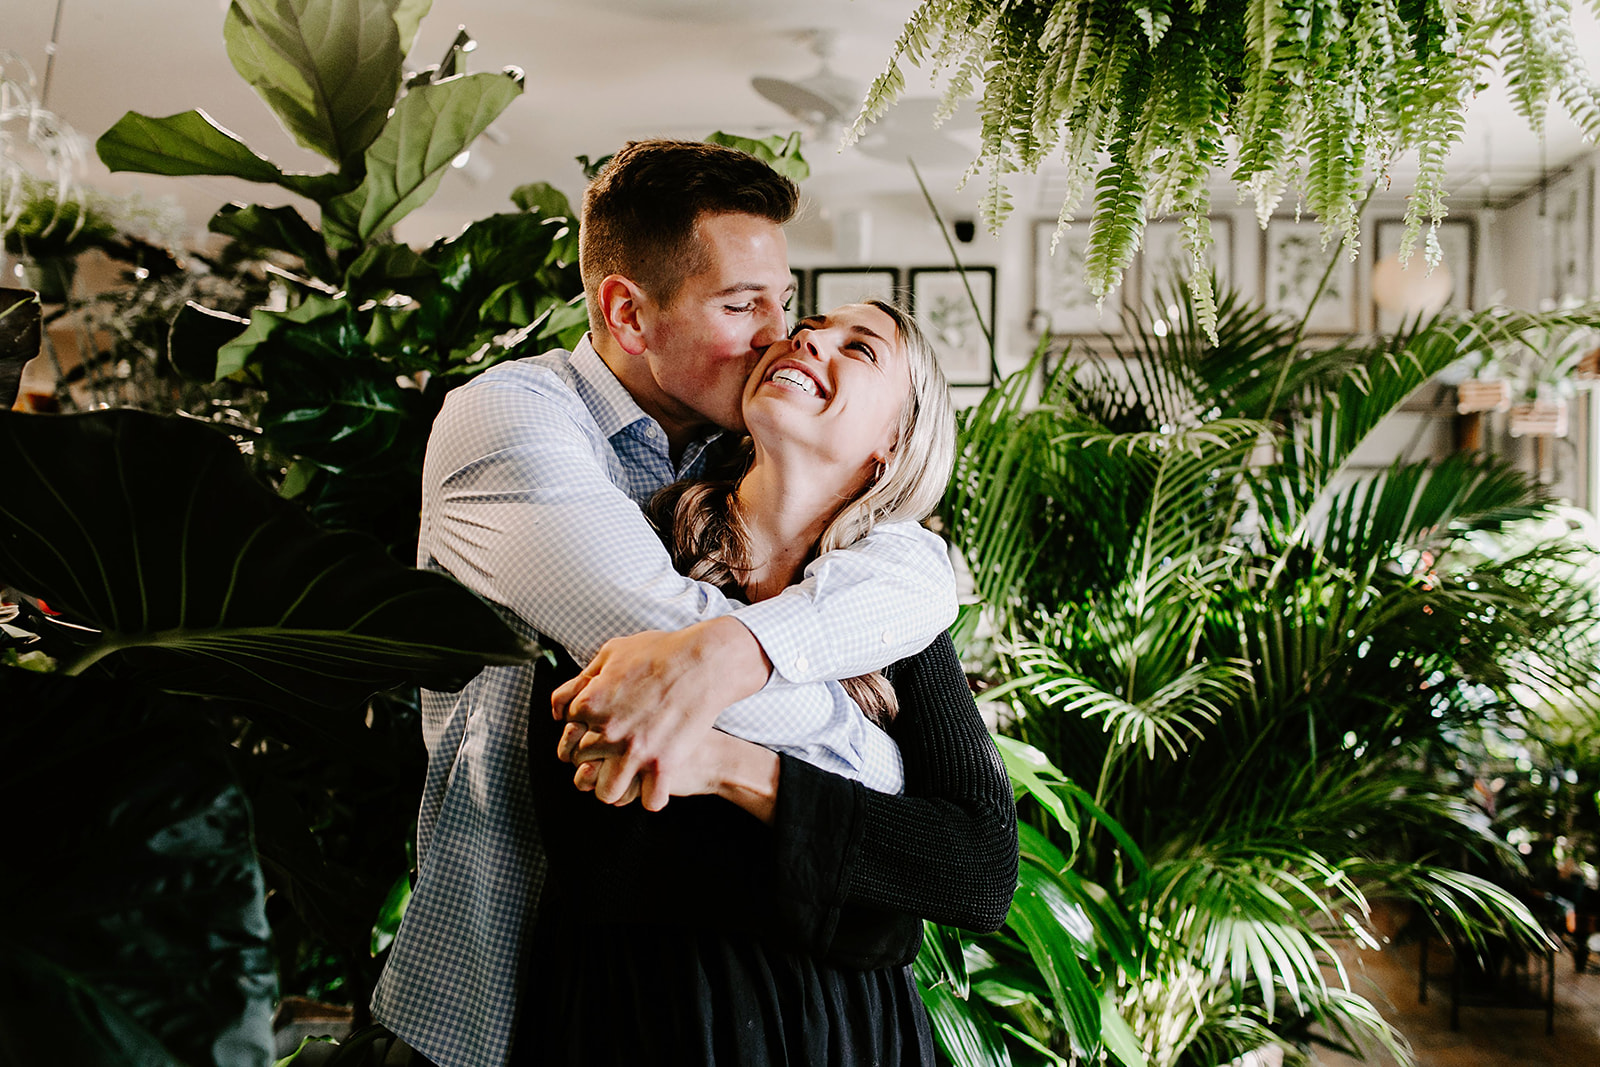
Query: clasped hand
{"type": "Point", "coordinates": [638, 715]}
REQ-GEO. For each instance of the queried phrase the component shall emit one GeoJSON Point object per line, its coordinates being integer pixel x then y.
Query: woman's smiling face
{"type": "Point", "coordinates": [838, 386]}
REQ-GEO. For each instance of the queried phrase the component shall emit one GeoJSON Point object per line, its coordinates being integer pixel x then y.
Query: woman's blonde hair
{"type": "Point", "coordinates": [700, 521]}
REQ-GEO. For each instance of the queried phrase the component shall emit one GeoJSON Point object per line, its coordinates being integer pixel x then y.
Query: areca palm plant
{"type": "Point", "coordinates": [1246, 650]}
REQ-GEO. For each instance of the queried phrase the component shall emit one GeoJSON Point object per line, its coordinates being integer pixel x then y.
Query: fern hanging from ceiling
{"type": "Point", "coordinates": [1320, 96]}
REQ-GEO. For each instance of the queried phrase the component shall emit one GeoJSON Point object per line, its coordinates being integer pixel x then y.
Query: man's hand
{"type": "Point", "coordinates": [653, 696]}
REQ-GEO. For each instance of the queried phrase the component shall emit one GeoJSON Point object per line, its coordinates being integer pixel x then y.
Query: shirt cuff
{"type": "Point", "coordinates": [791, 635]}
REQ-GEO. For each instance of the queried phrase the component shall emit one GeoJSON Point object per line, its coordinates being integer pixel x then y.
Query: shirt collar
{"type": "Point", "coordinates": [615, 410]}
{"type": "Point", "coordinates": [612, 406]}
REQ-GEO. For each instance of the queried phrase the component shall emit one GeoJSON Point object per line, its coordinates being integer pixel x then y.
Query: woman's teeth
{"type": "Point", "coordinates": [797, 379]}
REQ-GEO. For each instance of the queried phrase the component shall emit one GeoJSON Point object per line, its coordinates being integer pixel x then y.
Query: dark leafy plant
{"type": "Point", "coordinates": [151, 558]}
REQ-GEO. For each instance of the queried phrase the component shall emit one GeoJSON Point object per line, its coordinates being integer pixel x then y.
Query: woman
{"type": "Point", "coordinates": [778, 928]}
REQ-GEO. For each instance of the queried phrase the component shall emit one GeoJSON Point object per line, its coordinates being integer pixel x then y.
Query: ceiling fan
{"type": "Point", "coordinates": [825, 104]}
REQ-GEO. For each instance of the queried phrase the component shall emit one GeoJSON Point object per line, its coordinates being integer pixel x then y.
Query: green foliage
{"type": "Point", "coordinates": [368, 335]}
{"type": "Point", "coordinates": [20, 317]}
{"type": "Point", "coordinates": [136, 930]}
{"type": "Point", "coordinates": [1236, 658]}
{"type": "Point", "coordinates": [1318, 95]}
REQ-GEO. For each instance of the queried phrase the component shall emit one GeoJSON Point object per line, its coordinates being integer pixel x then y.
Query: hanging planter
{"type": "Point", "coordinates": [1483, 394]}
{"type": "Point", "coordinates": [1539, 418]}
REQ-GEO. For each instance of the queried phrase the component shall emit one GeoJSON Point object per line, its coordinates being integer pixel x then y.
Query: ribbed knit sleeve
{"type": "Point", "coordinates": [945, 850]}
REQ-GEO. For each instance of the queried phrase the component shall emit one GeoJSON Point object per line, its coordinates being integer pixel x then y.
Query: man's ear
{"type": "Point", "coordinates": [621, 301]}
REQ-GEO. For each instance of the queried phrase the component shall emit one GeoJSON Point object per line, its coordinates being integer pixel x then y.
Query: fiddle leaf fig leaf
{"type": "Point", "coordinates": [20, 316]}
{"type": "Point", "coordinates": [187, 143]}
{"type": "Point", "coordinates": [282, 228]}
{"type": "Point", "coordinates": [198, 335]}
{"type": "Point", "coordinates": [431, 125]}
{"type": "Point", "coordinates": [408, 15]}
{"type": "Point", "coordinates": [152, 530]}
{"type": "Point", "coordinates": [329, 69]}
{"type": "Point", "coordinates": [138, 929]}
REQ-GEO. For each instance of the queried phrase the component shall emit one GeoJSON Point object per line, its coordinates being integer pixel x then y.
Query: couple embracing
{"type": "Point", "coordinates": [716, 518]}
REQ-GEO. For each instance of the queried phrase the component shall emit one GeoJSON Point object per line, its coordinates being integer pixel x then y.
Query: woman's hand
{"type": "Point", "coordinates": [723, 765]}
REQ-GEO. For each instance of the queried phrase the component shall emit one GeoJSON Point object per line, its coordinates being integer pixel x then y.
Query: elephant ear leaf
{"type": "Point", "coordinates": [330, 69]}
{"type": "Point", "coordinates": [136, 928]}
{"type": "Point", "coordinates": [20, 316]}
{"type": "Point", "coordinates": [152, 530]}
{"type": "Point", "coordinates": [431, 125]}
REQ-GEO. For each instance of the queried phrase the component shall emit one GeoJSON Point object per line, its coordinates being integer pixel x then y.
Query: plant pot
{"type": "Point", "coordinates": [50, 278]}
{"type": "Point", "coordinates": [1482, 394]}
{"type": "Point", "coordinates": [1546, 418]}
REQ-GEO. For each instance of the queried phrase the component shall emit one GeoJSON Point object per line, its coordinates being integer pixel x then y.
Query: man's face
{"type": "Point", "coordinates": [703, 345]}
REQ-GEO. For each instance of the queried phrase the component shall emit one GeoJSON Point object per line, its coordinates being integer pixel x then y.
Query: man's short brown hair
{"type": "Point", "coordinates": [639, 214]}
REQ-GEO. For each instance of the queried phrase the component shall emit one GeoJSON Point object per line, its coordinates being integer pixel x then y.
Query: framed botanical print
{"type": "Point", "coordinates": [1062, 302]}
{"type": "Point", "coordinates": [943, 308]}
{"type": "Point", "coordinates": [1164, 258]}
{"type": "Point", "coordinates": [832, 286]}
{"type": "Point", "coordinates": [1293, 262]}
{"type": "Point", "coordinates": [797, 299]}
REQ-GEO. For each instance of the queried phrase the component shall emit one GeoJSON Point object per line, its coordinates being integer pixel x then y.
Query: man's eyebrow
{"type": "Point", "coordinates": [746, 287]}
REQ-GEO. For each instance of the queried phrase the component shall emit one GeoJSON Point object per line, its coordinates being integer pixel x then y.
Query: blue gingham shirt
{"type": "Point", "coordinates": [532, 486]}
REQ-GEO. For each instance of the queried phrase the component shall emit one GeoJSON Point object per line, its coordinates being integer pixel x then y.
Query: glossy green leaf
{"type": "Point", "coordinates": [153, 531]}
{"type": "Point", "coordinates": [136, 928]}
{"type": "Point", "coordinates": [1055, 952]}
{"type": "Point", "coordinates": [187, 143]}
{"type": "Point", "coordinates": [390, 914]}
{"type": "Point", "coordinates": [282, 228]}
{"type": "Point", "coordinates": [965, 1032]}
{"type": "Point", "coordinates": [431, 125]}
{"type": "Point", "coordinates": [1119, 1036]}
{"type": "Point", "coordinates": [198, 335]}
{"type": "Point", "coordinates": [389, 268]}
{"type": "Point", "coordinates": [1032, 774]}
{"type": "Point", "coordinates": [329, 69]}
{"type": "Point", "coordinates": [20, 317]}
{"type": "Point", "coordinates": [335, 338]}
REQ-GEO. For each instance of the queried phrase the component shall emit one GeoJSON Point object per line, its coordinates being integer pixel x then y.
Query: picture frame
{"type": "Point", "coordinates": [1571, 208]}
{"type": "Point", "coordinates": [797, 304]}
{"type": "Point", "coordinates": [832, 286]}
{"type": "Point", "coordinates": [1163, 251]}
{"type": "Point", "coordinates": [1062, 302]}
{"type": "Point", "coordinates": [1458, 240]}
{"type": "Point", "coordinates": [1292, 263]}
{"type": "Point", "coordinates": [940, 305]}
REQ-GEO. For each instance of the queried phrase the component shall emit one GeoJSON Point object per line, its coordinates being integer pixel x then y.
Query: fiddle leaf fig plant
{"type": "Point", "coordinates": [1320, 96]}
{"type": "Point", "coordinates": [370, 334]}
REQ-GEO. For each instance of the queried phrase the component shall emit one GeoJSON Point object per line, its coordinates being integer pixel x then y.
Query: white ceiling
{"type": "Point", "coordinates": [598, 72]}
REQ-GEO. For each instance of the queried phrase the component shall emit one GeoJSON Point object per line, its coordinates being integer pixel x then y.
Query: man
{"type": "Point", "coordinates": [531, 493]}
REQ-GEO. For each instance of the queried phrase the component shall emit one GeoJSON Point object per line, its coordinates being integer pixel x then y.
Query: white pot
{"type": "Point", "coordinates": [1478, 394]}
{"type": "Point", "coordinates": [1540, 418]}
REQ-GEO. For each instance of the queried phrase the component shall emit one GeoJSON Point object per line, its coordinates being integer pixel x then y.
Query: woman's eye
{"type": "Point", "coordinates": [866, 350]}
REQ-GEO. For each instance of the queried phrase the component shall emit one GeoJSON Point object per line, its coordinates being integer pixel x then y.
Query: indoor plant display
{"type": "Point", "coordinates": [1315, 95]}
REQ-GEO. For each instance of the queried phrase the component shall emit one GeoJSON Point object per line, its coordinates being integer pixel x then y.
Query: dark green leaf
{"type": "Point", "coordinates": [198, 334]}
{"type": "Point", "coordinates": [965, 1032]}
{"type": "Point", "coordinates": [137, 931]}
{"type": "Point", "coordinates": [152, 530]}
{"type": "Point", "coordinates": [1055, 952]}
{"type": "Point", "coordinates": [335, 337]}
{"type": "Point", "coordinates": [20, 315]}
{"type": "Point", "coordinates": [390, 913]}
{"type": "Point", "coordinates": [280, 228]}
{"type": "Point", "coordinates": [187, 143]}
{"type": "Point", "coordinates": [408, 15]}
{"type": "Point", "coordinates": [431, 125]}
{"type": "Point", "coordinates": [329, 69]}
{"type": "Point", "coordinates": [1119, 1036]}
{"type": "Point", "coordinates": [388, 268]}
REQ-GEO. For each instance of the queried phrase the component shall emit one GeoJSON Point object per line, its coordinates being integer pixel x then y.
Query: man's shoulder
{"type": "Point", "coordinates": [549, 374]}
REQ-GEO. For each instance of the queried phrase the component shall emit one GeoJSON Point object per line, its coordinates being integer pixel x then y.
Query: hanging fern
{"type": "Point", "coordinates": [1317, 95]}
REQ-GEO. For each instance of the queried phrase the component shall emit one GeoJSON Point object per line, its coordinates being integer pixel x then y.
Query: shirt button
{"type": "Point", "coordinates": [800, 663]}
{"type": "Point", "coordinates": [650, 432]}
{"type": "Point", "coordinates": [888, 638]}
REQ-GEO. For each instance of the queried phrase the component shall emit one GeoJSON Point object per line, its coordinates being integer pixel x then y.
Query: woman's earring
{"type": "Point", "coordinates": [879, 476]}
